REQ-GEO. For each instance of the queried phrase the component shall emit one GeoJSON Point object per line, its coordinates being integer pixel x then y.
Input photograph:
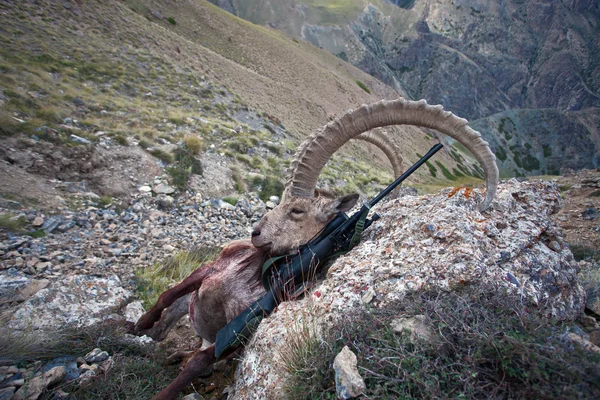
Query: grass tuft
{"type": "Point", "coordinates": [193, 144]}
{"type": "Point", "coordinates": [185, 165]}
{"type": "Point", "coordinates": [162, 155]}
{"type": "Point", "coordinates": [12, 223]}
{"type": "Point", "coordinates": [157, 279]}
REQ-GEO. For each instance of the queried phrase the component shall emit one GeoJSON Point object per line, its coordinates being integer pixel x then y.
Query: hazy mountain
{"type": "Point", "coordinates": [478, 58]}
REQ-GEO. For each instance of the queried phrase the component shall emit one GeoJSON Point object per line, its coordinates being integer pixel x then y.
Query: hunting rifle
{"type": "Point", "coordinates": [286, 274]}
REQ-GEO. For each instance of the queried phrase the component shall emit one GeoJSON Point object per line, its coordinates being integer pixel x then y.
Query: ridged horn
{"type": "Point", "coordinates": [390, 149]}
{"type": "Point", "coordinates": [314, 153]}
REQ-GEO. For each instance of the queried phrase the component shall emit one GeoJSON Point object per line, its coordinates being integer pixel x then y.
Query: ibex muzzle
{"type": "Point", "coordinates": [296, 220]}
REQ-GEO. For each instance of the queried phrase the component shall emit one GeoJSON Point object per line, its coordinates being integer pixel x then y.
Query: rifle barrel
{"type": "Point", "coordinates": [406, 174]}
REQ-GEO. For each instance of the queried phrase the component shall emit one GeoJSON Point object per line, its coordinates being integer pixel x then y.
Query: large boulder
{"type": "Point", "coordinates": [80, 300]}
{"type": "Point", "coordinates": [441, 241]}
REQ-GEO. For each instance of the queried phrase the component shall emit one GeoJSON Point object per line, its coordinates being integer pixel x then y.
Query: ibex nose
{"type": "Point", "coordinates": [256, 232]}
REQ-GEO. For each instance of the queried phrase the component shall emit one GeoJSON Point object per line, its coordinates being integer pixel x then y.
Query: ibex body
{"type": "Point", "coordinates": [224, 288]}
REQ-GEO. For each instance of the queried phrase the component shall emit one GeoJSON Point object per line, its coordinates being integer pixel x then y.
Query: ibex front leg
{"type": "Point", "coordinates": [201, 360]}
{"type": "Point", "coordinates": [188, 285]}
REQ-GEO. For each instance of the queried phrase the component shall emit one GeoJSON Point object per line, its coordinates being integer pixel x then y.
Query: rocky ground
{"type": "Point", "coordinates": [76, 266]}
{"type": "Point", "coordinates": [82, 269]}
{"type": "Point", "coordinates": [580, 216]}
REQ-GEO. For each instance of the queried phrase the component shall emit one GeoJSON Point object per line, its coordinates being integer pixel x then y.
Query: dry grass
{"type": "Point", "coordinates": [193, 144]}
{"type": "Point", "coordinates": [490, 345]}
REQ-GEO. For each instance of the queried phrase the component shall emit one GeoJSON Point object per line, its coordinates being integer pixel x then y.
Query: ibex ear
{"type": "Point", "coordinates": [341, 204]}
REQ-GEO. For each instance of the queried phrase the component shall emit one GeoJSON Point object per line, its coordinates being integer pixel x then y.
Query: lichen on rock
{"type": "Point", "coordinates": [436, 241]}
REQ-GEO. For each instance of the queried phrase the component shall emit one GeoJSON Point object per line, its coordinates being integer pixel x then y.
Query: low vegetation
{"type": "Point", "coordinates": [186, 164]}
{"type": "Point", "coordinates": [363, 86]}
{"type": "Point", "coordinates": [155, 280]}
{"type": "Point", "coordinates": [489, 344]}
{"type": "Point", "coordinates": [138, 372]}
{"type": "Point", "coordinates": [12, 223]}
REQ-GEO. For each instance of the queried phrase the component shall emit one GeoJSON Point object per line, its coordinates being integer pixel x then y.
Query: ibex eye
{"type": "Point", "coordinates": [297, 211]}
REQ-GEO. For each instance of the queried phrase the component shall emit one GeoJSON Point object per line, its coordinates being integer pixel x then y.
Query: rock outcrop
{"type": "Point", "coordinates": [438, 241]}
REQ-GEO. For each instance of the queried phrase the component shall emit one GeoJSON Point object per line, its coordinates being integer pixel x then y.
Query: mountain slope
{"type": "Point", "coordinates": [150, 73]}
{"type": "Point", "coordinates": [477, 58]}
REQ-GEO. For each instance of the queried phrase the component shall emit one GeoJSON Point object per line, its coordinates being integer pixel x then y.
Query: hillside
{"type": "Point", "coordinates": [477, 58]}
{"type": "Point", "coordinates": [147, 74]}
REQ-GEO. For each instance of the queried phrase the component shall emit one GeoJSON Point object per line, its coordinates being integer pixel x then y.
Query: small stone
{"type": "Point", "coordinates": [38, 221]}
{"type": "Point", "coordinates": [6, 370]}
{"type": "Point", "coordinates": [418, 326]}
{"type": "Point", "coordinates": [164, 202]}
{"type": "Point", "coordinates": [145, 189]}
{"type": "Point", "coordinates": [168, 247]}
{"type": "Point", "coordinates": [34, 287]}
{"type": "Point", "coordinates": [133, 311]}
{"type": "Point", "coordinates": [51, 224]}
{"type": "Point", "coordinates": [36, 386]}
{"type": "Point", "coordinates": [192, 396]}
{"type": "Point", "coordinates": [42, 266]}
{"type": "Point", "coordinates": [583, 342]}
{"type": "Point", "coordinates": [163, 188]}
{"type": "Point", "coordinates": [79, 139]}
{"type": "Point", "coordinates": [7, 393]}
{"type": "Point", "coordinates": [83, 368]}
{"type": "Point", "coordinates": [368, 296]}
{"type": "Point", "coordinates": [61, 395]}
{"type": "Point", "coordinates": [270, 205]}
{"type": "Point", "coordinates": [593, 298]}
{"type": "Point", "coordinates": [95, 356]}
{"type": "Point", "coordinates": [274, 199]}
{"type": "Point", "coordinates": [348, 382]}
{"type": "Point", "coordinates": [65, 226]}
{"type": "Point", "coordinates": [588, 321]}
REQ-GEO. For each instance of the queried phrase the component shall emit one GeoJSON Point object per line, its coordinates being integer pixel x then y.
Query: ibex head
{"type": "Point", "coordinates": [297, 220]}
{"type": "Point", "coordinates": [301, 215]}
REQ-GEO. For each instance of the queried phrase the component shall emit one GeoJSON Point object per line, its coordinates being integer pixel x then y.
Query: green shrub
{"type": "Point", "coordinates": [145, 144]}
{"type": "Point", "coordinates": [162, 155]}
{"type": "Point", "coordinates": [185, 165]}
{"type": "Point", "coordinates": [432, 169]}
{"type": "Point", "coordinates": [267, 186]}
{"type": "Point", "coordinates": [172, 21]}
{"type": "Point", "coordinates": [12, 223]}
{"type": "Point", "coordinates": [231, 200]}
{"type": "Point", "coordinates": [445, 171]}
{"type": "Point", "coordinates": [122, 140]}
{"type": "Point", "coordinates": [238, 180]}
{"type": "Point", "coordinates": [501, 154]}
{"type": "Point", "coordinates": [457, 173]}
{"type": "Point", "coordinates": [363, 86]}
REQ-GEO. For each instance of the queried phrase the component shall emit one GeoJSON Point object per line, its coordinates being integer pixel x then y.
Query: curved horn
{"type": "Point", "coordinates": [391, 151]}
{"type": "Point", "coordinates": [314, 153]}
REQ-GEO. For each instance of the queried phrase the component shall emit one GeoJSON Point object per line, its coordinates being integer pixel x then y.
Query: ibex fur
{"type": "Point", "coordinates": [222, 289]}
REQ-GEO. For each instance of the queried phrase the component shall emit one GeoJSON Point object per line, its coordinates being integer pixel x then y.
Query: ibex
{"type": "Point", "coordinates": [224, 288]}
